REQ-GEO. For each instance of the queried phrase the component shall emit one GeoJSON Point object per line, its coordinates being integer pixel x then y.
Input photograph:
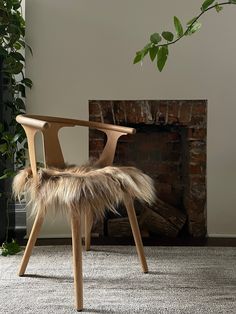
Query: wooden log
{"type": "Point", "coordinates": [170, 213]}
{"type": "Point", "coordinates": [156, 224]}
{"type": "Point", "coordinates": [120, 227]}
{"type": "Point", "coordinates": [162, 219]}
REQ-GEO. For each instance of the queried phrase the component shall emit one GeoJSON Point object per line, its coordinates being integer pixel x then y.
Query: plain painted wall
{"type": "Point", "coordinates": [83, 49]}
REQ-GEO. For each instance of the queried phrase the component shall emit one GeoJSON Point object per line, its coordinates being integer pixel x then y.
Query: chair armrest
{"type": "Point", "coordinates": [75, 122]}
{"type": "Point", "coordinates": [31, 122]}
{"type": "Point", "coordinates": [50, 126]}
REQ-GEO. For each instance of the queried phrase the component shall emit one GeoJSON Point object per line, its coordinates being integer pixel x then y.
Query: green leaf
{"type": "Point", "coordinates": [10, 248]}
{"type": "Point", "coordinates": [153, 52]}
{"type": "Point", "coordinates": [17, 46]}
{"type": "Point", "coordinates": [138, 57]}
{"type": "Point", "coordinates": [5, 176]}
{"type": "Point", "coordinates": [9, 172]}
{"type": "Point", "coordinates": [192, 20]}
{"type": "Point", "coordinates": [14, 38]}
{"type": "Point", "coordinates": [233, 1]}
{"type": "Point", "coordinates": [206, 4]}
{"type": "Point", "coordinates": [178, 27]}
{"type": "Point", "coordinates": [7, 136]}
{"type": "Point", "coordinates": [20, 103]}
{"type": "Point", "coordinates": [155, 38]}
{"type": "Point", "coordinates": [3, 52]}
{"type": "Point", "coordinates": [3, 148]}
{"type": "Point", "coordinates": [16, 137]}
{"type": "Point", "coordinates": [21, 89]}
{"type": "Point", "coordinates": [18, 67]}
{"type": "Point", "coordinates": [195, 27]}
{"type": "Point", "coordinates": [218, 7]}
{"type": "Point", "coordinates": [146, 49]}
{"type": "Point", "coordinates": [27, 82]}
{"type": "Point", "coordinates": [168, 36]}
{"type": "Point", "coordinates": [16, 4]}
{"type": "Point", "coordinates": [162, 56]}
{"type": "Point", "coordinates": [18, 56]}
{"type": "Point", "coordinates": [142, 53]}
{"type": "Point", "coordinates": [13, 29]}
{"type": "Point", "coordinates": [3, 31]}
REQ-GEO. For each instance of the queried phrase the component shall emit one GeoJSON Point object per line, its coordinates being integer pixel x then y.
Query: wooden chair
{"type": "Point", "coordinates": [49, 127]}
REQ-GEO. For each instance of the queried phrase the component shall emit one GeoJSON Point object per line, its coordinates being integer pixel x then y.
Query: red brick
{"type": "Point", "coordinates": [162, 114]}
{"type": "Point", "coordinates": [120, 112]}
{"type": "Point", "coordinates": [185, 114]}
{"type": "Point", "coordinates": [197, 179]}
{"type": "Point", "coordinates": [197, 133]}
{"type": "Point", "coordinates": [173, 111]}
{"type": "Point", "coordinates": [96, 145]}
{"type": "Point", "coordinates": [199, 109]}
{"type": "Point", "coordinates": [198, 120]}
{"type": "Point", "coordinates": [96, 118]}
{"type": "Point", "coordinates": [197, 158]}
{"type": "Point", "coordinates": [95, 134]}
{"type": "Point", "coordinates": [94, 109]}
{"type": "Point", "coordinates": [195, 168]}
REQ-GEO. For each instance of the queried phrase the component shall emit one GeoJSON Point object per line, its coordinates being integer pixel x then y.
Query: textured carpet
{"type": "Point", "coordinates": [181, 280]}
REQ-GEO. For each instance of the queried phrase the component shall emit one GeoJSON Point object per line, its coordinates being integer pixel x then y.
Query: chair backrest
{"type": "Point", "coordinates": [49, 127]}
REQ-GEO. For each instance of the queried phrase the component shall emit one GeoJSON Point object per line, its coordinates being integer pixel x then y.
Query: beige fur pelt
{"type": "Point", "coordinates": [75, 189]}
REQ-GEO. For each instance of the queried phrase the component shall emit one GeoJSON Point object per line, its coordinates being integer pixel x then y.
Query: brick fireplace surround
{"type": "Point", "coordinates": [170, 146]}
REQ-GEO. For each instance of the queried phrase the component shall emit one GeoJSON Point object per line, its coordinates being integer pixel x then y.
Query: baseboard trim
{"type": "Point", "coordinates": [52, 236]}
{"type": "Point", "coordinates": [151, 241]}
{"type": "Point", "coordinates": [220, 235]}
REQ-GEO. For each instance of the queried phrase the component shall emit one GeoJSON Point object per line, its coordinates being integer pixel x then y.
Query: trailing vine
{"type": "Point", "coordinates": [159, 51]}
{"type": "Point", "coordinates": [13, 86]}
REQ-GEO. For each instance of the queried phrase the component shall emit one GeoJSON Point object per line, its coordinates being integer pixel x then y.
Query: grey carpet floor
{"type": "Point", "coordinates": [181, 280]}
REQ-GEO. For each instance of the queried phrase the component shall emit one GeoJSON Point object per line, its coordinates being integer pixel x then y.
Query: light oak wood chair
{"type": "Point", "coordinates": [49, 127]}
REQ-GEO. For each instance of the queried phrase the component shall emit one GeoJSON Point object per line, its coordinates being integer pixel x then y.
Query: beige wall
{"type": "Point", "coordinates": [84, 49]}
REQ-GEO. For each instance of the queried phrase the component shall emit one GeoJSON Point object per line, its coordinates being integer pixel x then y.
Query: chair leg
{"type": "Point", "coordinates": [136, 232]}
{"type": "Point", "coordinates": [31, 242]}
{"type": "Point", "coordinates": [77, 261]}
{"type": "Point", "coordinates": [88, 227]}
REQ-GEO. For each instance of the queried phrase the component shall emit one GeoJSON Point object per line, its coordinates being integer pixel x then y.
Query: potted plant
{"type": "Point", "coordinates": [13, 84]}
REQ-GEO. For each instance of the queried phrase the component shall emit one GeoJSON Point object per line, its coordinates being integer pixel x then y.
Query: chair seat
{"type": "Point", "coordinates": [79, 188]}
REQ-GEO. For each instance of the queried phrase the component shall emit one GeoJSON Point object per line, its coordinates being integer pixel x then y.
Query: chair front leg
{"type": "Point", "coordinates": [77, 261]}
{"type": "Point", "coordinates": [88, 227]}
{"type": "Point", "coordinates": [31, 242]}
{"type": "Point", "coordinates": [129, 204]}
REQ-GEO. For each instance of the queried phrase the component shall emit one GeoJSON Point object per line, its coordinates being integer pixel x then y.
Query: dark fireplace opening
{"type": "Point", "coordinates": [169, 146]}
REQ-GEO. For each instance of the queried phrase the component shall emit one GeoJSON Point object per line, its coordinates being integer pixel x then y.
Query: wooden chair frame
{"type": "Point", "coordinates": [49, 127]}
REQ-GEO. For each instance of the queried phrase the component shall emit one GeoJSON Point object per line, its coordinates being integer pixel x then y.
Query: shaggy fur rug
{"type": "Point", "coordinates": [82, 188]}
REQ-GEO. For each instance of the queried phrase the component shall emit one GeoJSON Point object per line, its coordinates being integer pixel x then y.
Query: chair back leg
{"type": "Point", "coordinates": [77, 261]}
{"type": "Point", "coordinates": [31, 242]}
{"type": "Point", "coordinates": [129, 204]}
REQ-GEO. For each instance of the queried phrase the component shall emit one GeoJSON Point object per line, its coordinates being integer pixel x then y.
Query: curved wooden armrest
{"type": "Point", "coordinates": [52, 149]}
{"type": "Point", "coordinates": [26, 119]}
{"type": "Point", "coordinates": [31, 122]}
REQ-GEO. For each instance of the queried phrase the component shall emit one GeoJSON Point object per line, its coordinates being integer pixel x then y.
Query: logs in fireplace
{"type": "Point", "coordinates": [170, 146]}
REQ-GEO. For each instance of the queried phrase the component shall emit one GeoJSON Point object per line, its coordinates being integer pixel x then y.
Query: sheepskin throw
{"type": "Point", "coordinates": [75, 189]}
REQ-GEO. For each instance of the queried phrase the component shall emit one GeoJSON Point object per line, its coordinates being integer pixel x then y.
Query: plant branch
{"type": "Point", "coordinates": [194, 21]}
{"type": "Point", "coordinates": [160, 51]}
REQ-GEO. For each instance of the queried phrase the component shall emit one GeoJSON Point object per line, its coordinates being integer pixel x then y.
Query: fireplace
{"type": "Point", "coordinates": [170, 146]}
